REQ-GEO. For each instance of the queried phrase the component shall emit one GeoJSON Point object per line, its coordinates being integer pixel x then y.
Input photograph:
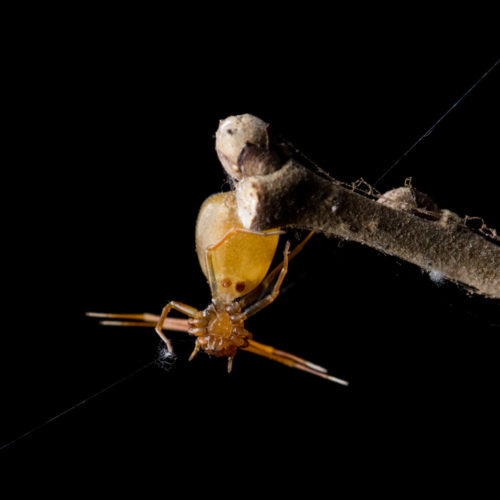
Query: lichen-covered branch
{"type": "Point", "coordinates": [275, 190]}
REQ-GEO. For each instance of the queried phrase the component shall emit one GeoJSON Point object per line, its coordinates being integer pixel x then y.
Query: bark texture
{"type": "Point", "coordinates": [403, 222]}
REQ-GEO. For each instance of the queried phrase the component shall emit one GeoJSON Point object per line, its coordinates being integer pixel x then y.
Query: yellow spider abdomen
{"type": "Point", "coordinates": [239, 260]}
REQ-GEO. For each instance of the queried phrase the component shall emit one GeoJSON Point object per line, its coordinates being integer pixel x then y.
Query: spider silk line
{"type": "Point", "coordinates": [86, 400]}
{"type": "Point", "coordinates": [429, 132]}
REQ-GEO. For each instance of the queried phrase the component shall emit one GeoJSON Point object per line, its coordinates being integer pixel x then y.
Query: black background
{"type": "Point", "coordinates": [119, 158]}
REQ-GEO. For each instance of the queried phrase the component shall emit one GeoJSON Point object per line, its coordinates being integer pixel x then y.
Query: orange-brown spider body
{"type": "Point", "coordinates": [235, 262]}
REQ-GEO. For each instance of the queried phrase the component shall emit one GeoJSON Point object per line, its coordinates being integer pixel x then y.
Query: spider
{"type": "Point", "coordinates": [235, 262]}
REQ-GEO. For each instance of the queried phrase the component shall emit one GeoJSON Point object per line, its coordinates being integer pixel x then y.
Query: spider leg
{"type": "Point", "coordinates": [291, 360]}
{"type": "Point", "coordinates": [158, 322]}
{"type": "Point", "coordinates": [144, 320]}
{"type": "Point", "coordinates": [272, 350]}
{"type": "Point", "coordinates": [265, 301]}
{"type": "Point", "coordinates": [177, 306]}
{"type": "Point", "coordinates": [254, 294]}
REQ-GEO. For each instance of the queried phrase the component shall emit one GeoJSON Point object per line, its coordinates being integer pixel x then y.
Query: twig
{"type": "Point", "coordinates": [275, 190]}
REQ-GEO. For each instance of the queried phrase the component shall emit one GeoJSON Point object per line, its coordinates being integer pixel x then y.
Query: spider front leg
{"type": "Point", "coordinates": [264, 302]}
{"type": "Point", "coordinates": [253, 295]}
{"type": "Point", "coordinates": [178, 306]}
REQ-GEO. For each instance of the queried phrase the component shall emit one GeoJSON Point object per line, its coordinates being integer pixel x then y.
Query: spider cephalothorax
{"type": "Point", "coordinates": [219, 330]}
